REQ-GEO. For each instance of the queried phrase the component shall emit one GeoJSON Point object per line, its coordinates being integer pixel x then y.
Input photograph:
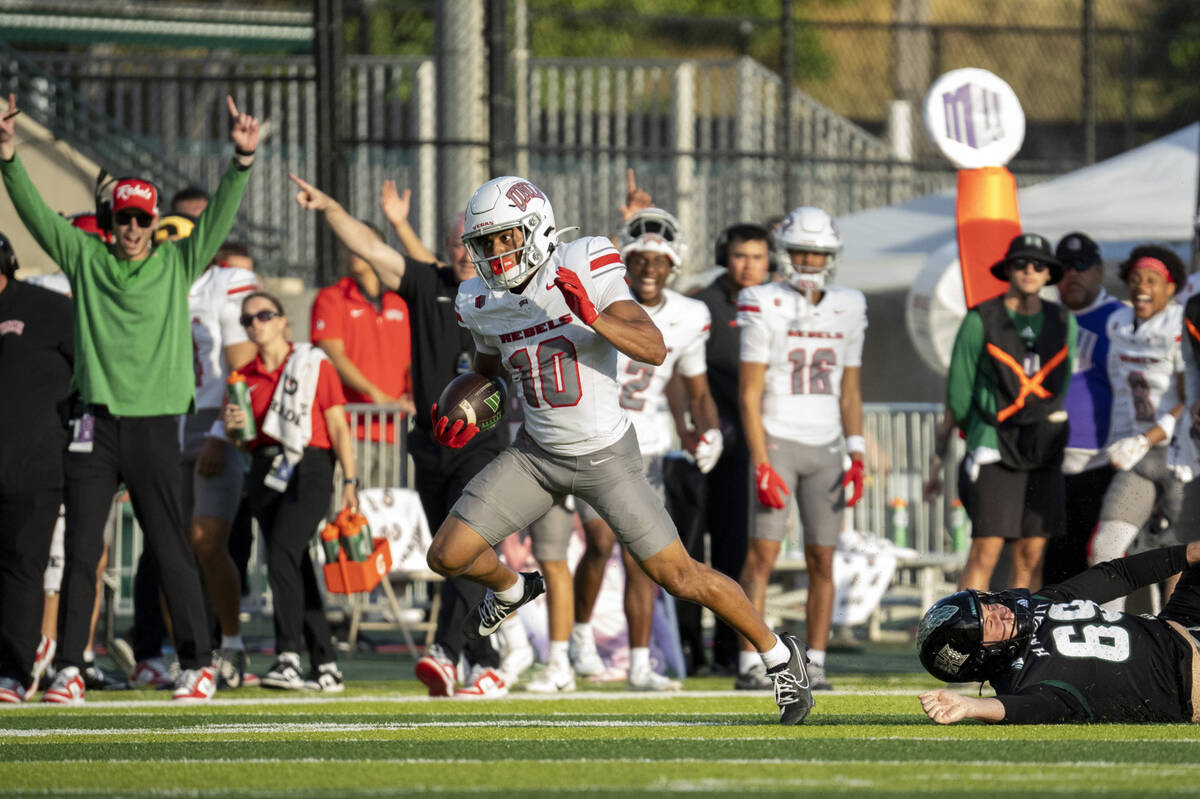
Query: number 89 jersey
{"type": "Point", "coordinates": [1143, 362]}
{"type": "Point", "coordinates": [565, 372]}
{"type": "Point", "coordinates": [1085, 663]}
{"type": "Point", "coordinates": [806, 349]}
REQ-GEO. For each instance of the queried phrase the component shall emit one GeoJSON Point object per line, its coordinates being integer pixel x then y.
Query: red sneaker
{"type": "Point", "coordinates": [196, 685]}
{"type": "Point", "coordinates": [486, 683]}
{"type": "Point", "coordinates": [67, 688]}
{"type": "Point", "coordinates": [437, 671]}
{"type": "Point", "coordinates": [11, 691]}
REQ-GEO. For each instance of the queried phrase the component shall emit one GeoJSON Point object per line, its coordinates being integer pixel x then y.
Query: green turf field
{"type": "Point", "coordinates": [387, 738]}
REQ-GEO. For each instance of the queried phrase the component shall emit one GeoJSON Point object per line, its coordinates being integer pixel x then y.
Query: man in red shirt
{"type": "Point", "coordinates": [365, 332]}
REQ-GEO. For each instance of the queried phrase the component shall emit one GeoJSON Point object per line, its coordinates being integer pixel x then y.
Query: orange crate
{"type": "Point", "coordinates": [351, 576]}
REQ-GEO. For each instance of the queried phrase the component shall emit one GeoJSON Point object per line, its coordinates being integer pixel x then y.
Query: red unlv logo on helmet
{"type": "Point", "coordinates": [521, 193]}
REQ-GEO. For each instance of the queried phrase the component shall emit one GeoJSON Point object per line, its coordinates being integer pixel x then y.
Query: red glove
{"type": "Point", "coordinates": [770, 484]}
{"type": "Point", "coordinates": [854, 475]}
{"type": "Point", "coordinates": [456, 436]}
{"type": "Point", "coordinates": [573, 292]}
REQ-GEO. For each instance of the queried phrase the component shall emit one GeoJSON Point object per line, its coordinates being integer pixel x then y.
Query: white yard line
{"type": "Point", "coordinates": [314, 699]}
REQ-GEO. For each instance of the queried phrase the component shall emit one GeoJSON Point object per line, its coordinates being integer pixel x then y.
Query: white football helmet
{"type": "Point", "coordinates": [652, 230]}
{"type": "Point", "coordinates": [807, 229]}
{"type": "Point", "coordinates": [500, 204]}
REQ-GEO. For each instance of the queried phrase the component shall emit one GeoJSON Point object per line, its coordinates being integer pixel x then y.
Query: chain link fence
{"type": "Point", "coordinates": [706, 124]}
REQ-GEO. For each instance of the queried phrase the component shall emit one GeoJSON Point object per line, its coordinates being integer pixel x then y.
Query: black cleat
{"type": "Point", "coordinates": [486, 617]}
{"type": "Point", "coordinates": [793, 692]}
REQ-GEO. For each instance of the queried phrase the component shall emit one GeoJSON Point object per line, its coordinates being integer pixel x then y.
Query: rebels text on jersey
{"type": "Point", "coordinates": [565, 372]}
{"type": "Point", "coordinates": [684, 323]}
{"type": "Point", "coordinates": [215, 305]}
{"type": "Point", "coordinates": [1086, 663]}
{"type": "Point", "coordinates": [806, 348]}
{"type": "Point", "coordinates": [1144, 360]}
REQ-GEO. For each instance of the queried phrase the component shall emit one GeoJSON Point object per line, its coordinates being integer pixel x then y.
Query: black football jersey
{"type": "Point", "coordinates": [1087, 664]}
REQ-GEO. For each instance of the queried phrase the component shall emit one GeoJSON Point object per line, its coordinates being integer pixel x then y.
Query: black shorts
{"type": "Point", "coordinates": [1010, 504]}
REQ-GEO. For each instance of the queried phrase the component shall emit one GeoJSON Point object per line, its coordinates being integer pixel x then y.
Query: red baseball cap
{"type": "Point", "coordinates": [136, 194]}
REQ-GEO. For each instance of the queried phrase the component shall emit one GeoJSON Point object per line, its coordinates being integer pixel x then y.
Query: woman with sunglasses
{"type": "Point", "coordinates": [297, 402]}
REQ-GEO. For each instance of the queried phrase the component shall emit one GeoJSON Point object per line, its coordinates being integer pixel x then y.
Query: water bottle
{"type": "Point", "coordinates": [355, 539]}
{"type": "Point", "coordinates": [960, 526]}
{"type": "Point", "coordinates": [330, 543]}
{"type": "Point", "coordinates": [239, 395]}
{"type": "Point", "coordinates": [899, 522]}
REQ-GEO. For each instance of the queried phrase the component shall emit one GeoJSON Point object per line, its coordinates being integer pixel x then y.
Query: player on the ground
{"type": "Point", "coordinates": [1145, 362]}
{"type": "Point", "coordinates": [1058, 656]}
{"type": "Point", "coordinates": [652, 247]}
{"type": "Point", "coordinates": [556, 315]}
{"type": "Point", "coordinates": [799, 391]}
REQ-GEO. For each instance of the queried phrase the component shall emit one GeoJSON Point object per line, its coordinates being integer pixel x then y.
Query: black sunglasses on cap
{"type": "Point", "coordinates": [263, 316]}
{"type": "Point", "coordinates": [125, 217]}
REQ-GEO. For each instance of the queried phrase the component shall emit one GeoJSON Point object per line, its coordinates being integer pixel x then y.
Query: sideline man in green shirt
{"type": "Point", "coordinates": [134, 375]}
{"type": "Point", "coordinates": [1009, 371]}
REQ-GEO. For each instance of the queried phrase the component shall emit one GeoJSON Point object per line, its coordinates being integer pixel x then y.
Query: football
{"type": "Point", "coordinates": [473, 398]}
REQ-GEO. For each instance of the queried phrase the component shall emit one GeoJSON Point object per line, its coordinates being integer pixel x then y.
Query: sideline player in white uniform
{"type": "Point", "coordinates": [1145, 361]}
{"type": "Point", "coordinates": [556, 315]}
{"type": "Point", "coordinates": [799, 392]}
{"type": "Point", "coordinates": [652, 247]}
{"type": "Point", "coordinates": [212, 468]}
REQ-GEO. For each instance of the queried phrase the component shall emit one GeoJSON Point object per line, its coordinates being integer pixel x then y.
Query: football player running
{"type": "Point", "coordinates": [799, 392]}
{"type": "Point", "coordinates": [556, 315]}
{"type": "Point", "coordinates": [1145, 362]}
{"type": "Point", "coordinates": [653, 249]}
{"type": "Point", "coordinates": [1057, 656]}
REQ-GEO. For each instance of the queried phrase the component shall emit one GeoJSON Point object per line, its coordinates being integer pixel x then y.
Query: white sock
{"type": "Point", "coordinates": [639, 658]}
{"type": "Point", "coordinates": [232, 642]}
{"type": "Point", "coordinates": [747, 660]}
{"type": "Point", "coordinates": [817, 657]}
{"type": "Point", "coordinates": [558, 654]}
{"type": "Point", "coordinates": [777, 655]}
{"type": "Point", "coordinates": [514, 592]}
{"type": "Point", "coordinates": [582, 629]}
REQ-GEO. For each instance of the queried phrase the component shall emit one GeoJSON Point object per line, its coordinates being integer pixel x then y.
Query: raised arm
{"type": "Point", "coordinates": [360, 239]}
{"type": "Point", "coordinates": [395, 207]}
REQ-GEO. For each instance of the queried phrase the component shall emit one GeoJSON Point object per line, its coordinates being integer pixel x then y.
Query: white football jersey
{"type": "Point", "coordinates": [684, 323]}
{"type": "Point", "coordinates": [565, 372]}
{"type": "Point", "coordinates": [1143, 367]}
{"type": "Point", "coordinates": [806, 348]}
{"type": "Point", "coordinates": [215, 303]}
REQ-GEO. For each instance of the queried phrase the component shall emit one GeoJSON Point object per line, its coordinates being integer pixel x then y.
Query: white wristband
{"type": "Point", "coordinates": [856, 444]}
{"type": "Point", "coordinates": [1166, 423]}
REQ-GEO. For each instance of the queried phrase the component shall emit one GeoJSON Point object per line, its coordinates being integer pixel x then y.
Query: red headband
{"type": "Point", "coordinates": [1146, 262]}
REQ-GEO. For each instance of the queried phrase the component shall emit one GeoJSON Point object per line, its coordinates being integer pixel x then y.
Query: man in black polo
{"type": "Point", "coordinates": [441, 350]}
{"type": "Point", "coordinates": [744, 250]}
{"type": "Point", "coordinates": [37, 355]}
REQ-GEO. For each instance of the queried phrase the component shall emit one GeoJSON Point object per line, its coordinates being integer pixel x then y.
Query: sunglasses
{"type": "Point", "coordinates": [125, 217]}
{"type": "Point", "coordinates": [263, 316]}
{"type": "Point", "coordinates": [1021, 266]}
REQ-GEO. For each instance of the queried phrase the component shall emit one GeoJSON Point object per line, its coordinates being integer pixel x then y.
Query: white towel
{"type": "Point", "coordinates": [289, 416]}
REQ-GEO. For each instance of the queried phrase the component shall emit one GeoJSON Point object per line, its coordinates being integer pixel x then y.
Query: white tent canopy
{"type": "Point", "coordinates": [1145, 194]}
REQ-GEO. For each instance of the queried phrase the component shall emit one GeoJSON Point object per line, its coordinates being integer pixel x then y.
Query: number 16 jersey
{"type": "Point", "coordinates": [806, 348]}
{"type": "Point", "coordinates": [565, 372]}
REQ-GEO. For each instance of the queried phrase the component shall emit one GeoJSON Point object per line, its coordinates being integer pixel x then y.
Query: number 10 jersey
{"type": "Point", "coordinates": [565, 372]}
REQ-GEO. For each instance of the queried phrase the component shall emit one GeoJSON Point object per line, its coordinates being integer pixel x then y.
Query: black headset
{"type": "Point", "coordinates": [741, 230]}
{"type": "Point", "coordinates": [8, 257]}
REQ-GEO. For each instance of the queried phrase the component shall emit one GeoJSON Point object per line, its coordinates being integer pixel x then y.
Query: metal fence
{"type": "Point", "coordinates": [704, 136]}
{"type": "Point", "coordinates": [899, 442]}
